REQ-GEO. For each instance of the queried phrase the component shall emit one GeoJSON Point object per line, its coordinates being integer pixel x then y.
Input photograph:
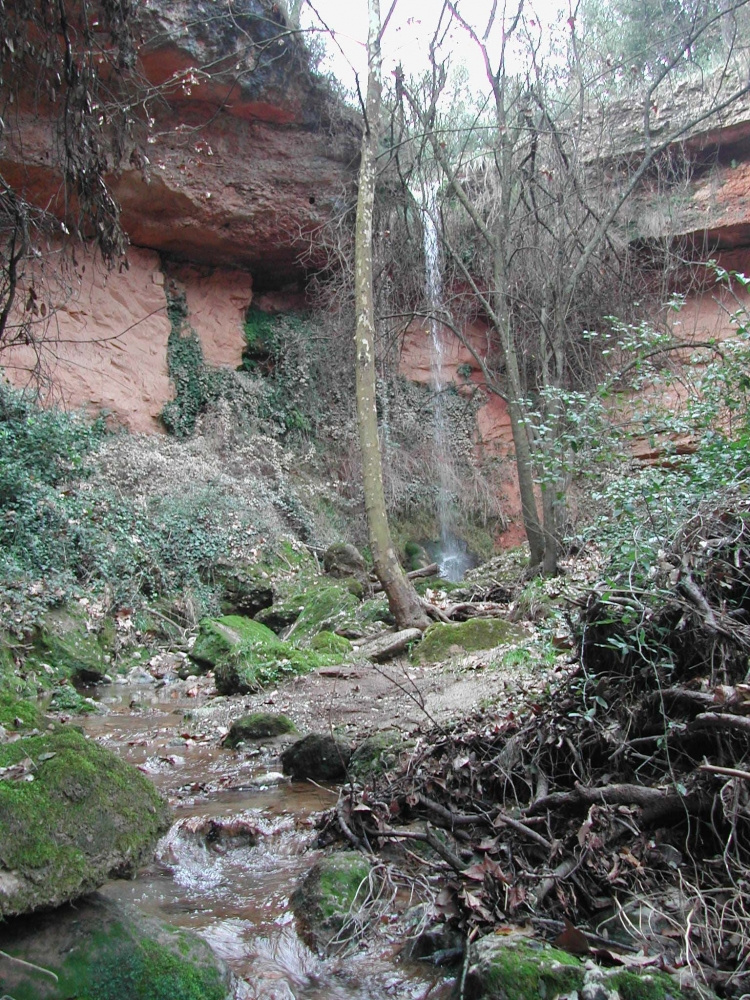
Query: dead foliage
{"type": "Point", "coordinates": [615, 811]}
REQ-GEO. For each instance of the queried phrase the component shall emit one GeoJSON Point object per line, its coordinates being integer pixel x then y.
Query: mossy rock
{"type": "Point", "coordinates": [443, 640]}
{"type": "Point", "coordinates": [329, 642]}
{"type": "Point", "coordinates": [503, 969]}
{"type": "Point", "coordinates": [17, 713]}
{"type": "Point", "coordinates": [342, 560]}
{"type": "Point", "coordinates": [375, 754]}
{"type": "Point", "coordinates": [321, 758]}
{"type": "Point", "coordinates": [101, 950]}
{"type": "Point", "coordinates": [65, 698]}
{"type": "Point", "coordinates": [70, 650]}
{"type": "Point", "coordinates": [323, 606]}
{"type": "Point", "coordinates": [73, 816]}
{"type": "Point", "coordinates": [246, 589]}
{"type": "Point", "coordinates": [328, 902]}
{"type": "Point", "coordinates": [258, 726]}
{"type": "Point", "coordinates": [415, 556]}
{"type": "Point", "coordinates": [251, 668]}
{"type": "Point", "coordinates": [220, 637]}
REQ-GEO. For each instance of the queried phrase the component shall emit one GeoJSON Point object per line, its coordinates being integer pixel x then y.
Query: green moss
{"type": "Point", "coordinates": [258, 725]}
{"type": "Point", "coordinates": [103, 951]}
{"type": "Point", "coordinates": [329, 642]}
{"type": "Point", "coordinates": [84, 807]}
{"type": "Point", "coordinates": [152, 971]}
{"type": "Point", "coordinates": [13, 710]}
{"type": "Point", "coordinates": [66, 699]}
{"type": "Point", "coordinates": [507, 971]}
{"type": "Point", "coordinates": [343, 882]}
{"type": "Point", "coordinates": [642, 985]}
{"type": "Point", "coordinates": [441, 640]}
{"type": "Point", "coordinates": [324, 608]}
{"type": "Point", "coordinates": [249, 669]}
{"type": "Point", "coordinates": [65, 644]}
{"type": "Point", "coordinates": [328, 902]}
{"type": "Point", "coordinates": [230, 635]}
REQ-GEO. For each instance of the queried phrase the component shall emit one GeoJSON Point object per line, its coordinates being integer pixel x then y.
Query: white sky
{"type": "Point", "coordinates": [412, 26]}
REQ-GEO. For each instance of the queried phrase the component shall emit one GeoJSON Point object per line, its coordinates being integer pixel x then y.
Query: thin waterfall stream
{"type": "Point", "coordinates": [452, 556]}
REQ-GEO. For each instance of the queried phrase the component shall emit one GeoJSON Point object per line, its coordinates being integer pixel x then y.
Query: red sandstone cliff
{"type": "Point", "coordinates": [238, 166]}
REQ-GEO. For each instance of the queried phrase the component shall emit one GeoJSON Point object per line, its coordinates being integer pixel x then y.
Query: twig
{"type": "Point", "coordinates": [729, 772]}
{"type": "Point", "coordinates": [30, 965]}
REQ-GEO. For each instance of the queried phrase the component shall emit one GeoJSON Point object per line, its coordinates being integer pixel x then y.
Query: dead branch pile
{"type": "Point", "coordinates": [621, 801]}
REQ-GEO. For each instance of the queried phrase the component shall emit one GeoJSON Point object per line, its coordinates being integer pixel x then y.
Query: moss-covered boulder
{"type": "Point", "coordinates": [321, 758]}
{"type": "Point", "coordinates": [72, 815]}
{"type": "Point", "coordinates": [66, 645]}
{"type": "Point", "coordinates": [65, 699]}
{"type": "Point", "coordinates": [443, 640]}
{"type": "Point", "coordinates": [246, 655]}
{"type": "Point", "coordinates": [323, 606]}
{"type": "Point", "coordinates": [17, 713]}
{"type": "Point", "coordinates": [329, 902]}
{"type": "Point", "coordinates": [246, 589]}
{"type": "Point", "coordinates": [507, 968]}
{"type": "Point", "coordinates": [219, 637]}
{"type": "Point", "coordinates": [258, 726]}
{"type": "Point", "coordinates": [504, 969]}
{"type": "Point", "coordinates": [100, 950]}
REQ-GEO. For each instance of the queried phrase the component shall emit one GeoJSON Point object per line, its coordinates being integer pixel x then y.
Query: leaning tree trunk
{"type": "Point", "coordinates": [403, 600]}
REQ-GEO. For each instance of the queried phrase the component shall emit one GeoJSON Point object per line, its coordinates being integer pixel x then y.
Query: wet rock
{"type": "Point", "coordinates": [103, 950]}
{"type": "Point", "coordinates": [321, 758]}
{"type": "Point", "coordinates": [329, 903]}
{"type": "Point", "coordinates": [72, 815]}
{"type": "Point", "coordinates": [443, 640]}
{"type": "Point", "coordinates": [257, 726]}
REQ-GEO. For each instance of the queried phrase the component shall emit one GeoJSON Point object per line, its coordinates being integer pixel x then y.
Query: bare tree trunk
{"type": "Point", "coordinates": [403, 600]}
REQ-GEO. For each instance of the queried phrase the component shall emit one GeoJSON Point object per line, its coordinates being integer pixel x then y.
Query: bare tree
{"type": "Point", "coordinates": [403, 600]}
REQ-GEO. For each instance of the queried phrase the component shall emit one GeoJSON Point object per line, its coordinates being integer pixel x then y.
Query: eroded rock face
{"type": "Point", "coordinates": [239, 162]}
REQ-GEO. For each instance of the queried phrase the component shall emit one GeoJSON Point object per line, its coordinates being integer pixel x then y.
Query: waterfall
{"type": "Point", "coordinates": [452, 556]}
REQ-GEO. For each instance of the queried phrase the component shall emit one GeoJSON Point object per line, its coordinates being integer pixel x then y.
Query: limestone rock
{"type": "Point", "coordinates": [328, 904]}
{"type": "Point", "coordinates": [103, 950]}
{"type": "Point", "coordinates": [321, 758]}
{"type": "Point", "coordinates": [72, 815]}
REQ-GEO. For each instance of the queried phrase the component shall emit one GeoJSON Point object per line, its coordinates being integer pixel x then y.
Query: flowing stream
{"type": "Point", "coordinates": [242, 839]}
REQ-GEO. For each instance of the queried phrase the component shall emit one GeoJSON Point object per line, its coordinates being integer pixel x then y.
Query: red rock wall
{"type": "Point", "coordinates": [106, 347]}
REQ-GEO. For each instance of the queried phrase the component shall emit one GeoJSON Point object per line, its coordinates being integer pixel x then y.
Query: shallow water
{"type": "Point", "coordinates": [240, 843]}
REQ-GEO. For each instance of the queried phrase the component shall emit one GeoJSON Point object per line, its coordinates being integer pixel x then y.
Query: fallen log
{"type": "Point", "coordinates": [388, 645]}
{"type": "Point", "coordinates": [432, 570]}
